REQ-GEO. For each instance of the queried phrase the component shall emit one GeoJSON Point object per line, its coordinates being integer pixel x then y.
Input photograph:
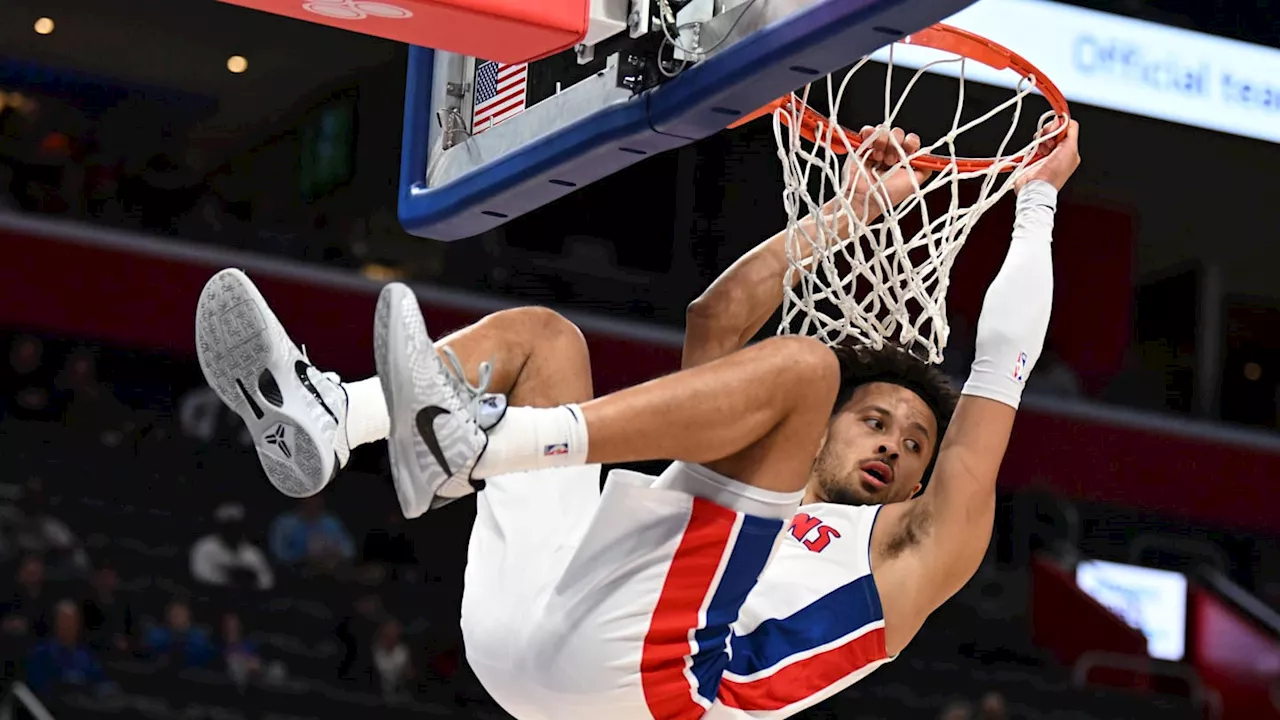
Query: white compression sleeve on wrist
{"type": "Point", "coordinates": [1016, 310]}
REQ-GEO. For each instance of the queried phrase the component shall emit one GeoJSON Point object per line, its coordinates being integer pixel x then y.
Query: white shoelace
{"type": "Point", "coordinates": [473, 394]}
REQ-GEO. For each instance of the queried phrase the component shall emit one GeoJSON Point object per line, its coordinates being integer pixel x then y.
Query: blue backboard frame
{"type": "Point", "coordinates": [817, 40]}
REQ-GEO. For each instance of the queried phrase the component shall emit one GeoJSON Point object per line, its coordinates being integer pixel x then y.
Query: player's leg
{"type": "Point", "coordinates": [775, 397]}
{"type": "Point", "coordinates": [638, 619]}
{"type": "Point", "coordinates": [536, 356]}
{"type": "Point", "coordinates": [756, 416]}
{"type": "Point", "coordinates": [526, 523]}
{"type": "Point", "coordinates": [305, 422]}
{"type": "Point", "coordinates": [533, 354]}
{"type": "Point", "coordinates": [539, 358]}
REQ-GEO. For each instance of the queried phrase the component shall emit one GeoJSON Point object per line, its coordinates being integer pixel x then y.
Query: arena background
{"type": "Point", "coordinates": [133, 164]}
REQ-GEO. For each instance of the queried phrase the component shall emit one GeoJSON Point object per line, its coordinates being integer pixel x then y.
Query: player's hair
{"type": "Point", "coordinates": [861, 364]}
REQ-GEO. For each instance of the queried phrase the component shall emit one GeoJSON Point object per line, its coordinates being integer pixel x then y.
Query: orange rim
{"type": "Point", "coordinates": [939, 37]}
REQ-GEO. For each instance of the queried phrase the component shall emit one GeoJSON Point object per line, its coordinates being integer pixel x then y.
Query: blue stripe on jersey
{"type": "Point", "coordinates": [746, 561]}
{"type": "Point", "coordinates": [833, 616]}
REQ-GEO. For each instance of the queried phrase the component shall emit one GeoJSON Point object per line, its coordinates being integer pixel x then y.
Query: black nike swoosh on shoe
{"type": "Point", "coordinates": [426, 421]}
{"type": "Point", "coordinates": [301, 368]}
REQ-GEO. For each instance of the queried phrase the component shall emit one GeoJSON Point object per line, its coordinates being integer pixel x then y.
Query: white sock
{"type": "Point", "coordinates": [534, 439]}
{"type": "Point", "coordinates": [367, 418]}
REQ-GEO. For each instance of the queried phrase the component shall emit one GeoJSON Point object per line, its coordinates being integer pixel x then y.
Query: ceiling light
{"type": "Point", "coordinates": [237, 64]}
{"type": "Point", "coordinates": [44, 26]}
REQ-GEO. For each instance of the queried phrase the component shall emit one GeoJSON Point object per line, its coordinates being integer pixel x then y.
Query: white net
{"type": "Point", "coordinates": [876, 276]}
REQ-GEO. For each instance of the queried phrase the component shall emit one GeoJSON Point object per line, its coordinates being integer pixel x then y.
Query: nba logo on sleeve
{"type": "Point", "coordinates": [555, 449]}
{"type": "Point", "coordinates": [1020, 368]}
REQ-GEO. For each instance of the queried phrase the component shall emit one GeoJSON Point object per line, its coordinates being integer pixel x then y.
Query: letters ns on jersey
{"type": "Point", "coordinates": [810, 531]}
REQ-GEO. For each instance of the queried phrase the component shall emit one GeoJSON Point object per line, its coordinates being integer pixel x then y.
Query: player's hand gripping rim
{"type": "Point", "coordinates": [1061, 157]}
{"type": "Point", "coordinates": [878, 174]}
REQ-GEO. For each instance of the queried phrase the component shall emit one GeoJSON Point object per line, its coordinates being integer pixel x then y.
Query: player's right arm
{"type": "Point", "coordinates": [734, 308]}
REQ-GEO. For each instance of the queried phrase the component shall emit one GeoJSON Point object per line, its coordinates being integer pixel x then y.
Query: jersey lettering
{"type": "Point", "coordinates": [804, 524]}
{"type": "Point", "coordinates": [820, 543]}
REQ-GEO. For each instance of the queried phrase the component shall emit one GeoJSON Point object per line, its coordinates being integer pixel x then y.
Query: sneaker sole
{"type": "Point", "coordinates": [250, 362]}
{"type": "Point", "coordinates": [390, 352]}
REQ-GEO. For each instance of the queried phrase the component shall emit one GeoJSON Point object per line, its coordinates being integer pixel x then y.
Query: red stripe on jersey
{"type": "Point", "coordinates": [667, 689]}
{"type": "Point", "coordinates": [806, 678]}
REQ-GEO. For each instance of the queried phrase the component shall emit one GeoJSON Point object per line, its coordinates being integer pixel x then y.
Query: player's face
{"type": "Point", "coordinates": [877, 447]}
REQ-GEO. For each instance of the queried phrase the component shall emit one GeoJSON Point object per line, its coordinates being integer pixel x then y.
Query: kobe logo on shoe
{"type": "Point", "coordinates": [276, 438]}
{"type": "Point", "coordinates": [427, 429]}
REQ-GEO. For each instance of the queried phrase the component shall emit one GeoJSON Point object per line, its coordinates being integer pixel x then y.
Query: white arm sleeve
{"type": "Point", "coordinates": [1015, 312]}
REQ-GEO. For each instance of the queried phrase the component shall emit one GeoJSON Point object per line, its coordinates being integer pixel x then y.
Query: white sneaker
{"type": "Point", "coordinates": [437, 420]}
{"type": "Point", "coordinates": [295, 414]}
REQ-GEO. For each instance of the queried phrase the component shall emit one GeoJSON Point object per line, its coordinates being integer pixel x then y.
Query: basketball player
{"type": "Point", "coordinates": [784, 555]}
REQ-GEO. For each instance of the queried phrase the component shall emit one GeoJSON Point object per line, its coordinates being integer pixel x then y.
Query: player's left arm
{"type": "Point", "coordinates": [738, 304]}
{"type": "Point", "coordinates": [928, 548]}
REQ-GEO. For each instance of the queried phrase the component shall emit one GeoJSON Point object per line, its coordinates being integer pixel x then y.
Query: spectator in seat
{"type": "Point", "coordinates": [27, 612]}
{"type": "Point", "coordinates": [108, 619]}
{"type": "Point", "coordinates": [992, 707]}
{"type": "Point", "coordinates": [179, 644]}
{"type": "Point", "coordinates": [392, 662]}
{"type": "Point", "coordinates": [225, 557]}
{"type": "Point", "coordinates": [92, 406]}
{"type": "Point", "coordinates": [39, 532]}
{"type": "Point", "coordinates": [63, 660]}
{"type": "Point", "coordinates": [312, 536]}
{"type": "Point", "coordinates": [957, 710]}
{"type": "Point", "coordinates": [239, 654]}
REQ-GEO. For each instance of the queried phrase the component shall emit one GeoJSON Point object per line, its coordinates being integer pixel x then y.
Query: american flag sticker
{"type": "Point", "coordinates": [501, 91]}
{"type": "Point", "coordinates": [556, 449]}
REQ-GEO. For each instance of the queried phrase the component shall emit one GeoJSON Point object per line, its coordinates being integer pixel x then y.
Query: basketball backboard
{"type": "Point", "coordinates": [485, 142]}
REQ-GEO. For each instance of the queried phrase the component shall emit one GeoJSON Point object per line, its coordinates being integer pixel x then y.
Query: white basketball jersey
{"type": "Point", "coordinates": [813, 625]}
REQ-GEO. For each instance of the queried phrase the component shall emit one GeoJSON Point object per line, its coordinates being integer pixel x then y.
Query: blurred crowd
{"type": "Point", "coordinates": [61, 160]}
{"type": "Point", "coordinates": [991, 706]}
{"type": "Point", "coordinates": [104, 585]}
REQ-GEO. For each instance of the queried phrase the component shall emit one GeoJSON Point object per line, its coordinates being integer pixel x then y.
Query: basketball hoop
{"type": "Point", "coordinates": [882, 278]}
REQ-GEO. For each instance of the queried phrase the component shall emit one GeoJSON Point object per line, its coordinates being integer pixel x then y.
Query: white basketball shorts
{"type": "Point", "coordinates": [588, 605]}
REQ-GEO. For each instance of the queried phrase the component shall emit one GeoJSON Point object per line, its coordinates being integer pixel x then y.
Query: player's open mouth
{"type": "Point", "coordinates": [877, 473]}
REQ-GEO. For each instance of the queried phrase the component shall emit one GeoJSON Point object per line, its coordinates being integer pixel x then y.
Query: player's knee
{"type": "Point", "coordinates": [560, 342]}
{"type": "Point", "coordinates": [812, 369]}
{"type": "Point", "coordinates": [558, 330]}
{"type": "Point", "coordinates": [545, 330]}
{"type": "Point", "coordinates": [557, 368]}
